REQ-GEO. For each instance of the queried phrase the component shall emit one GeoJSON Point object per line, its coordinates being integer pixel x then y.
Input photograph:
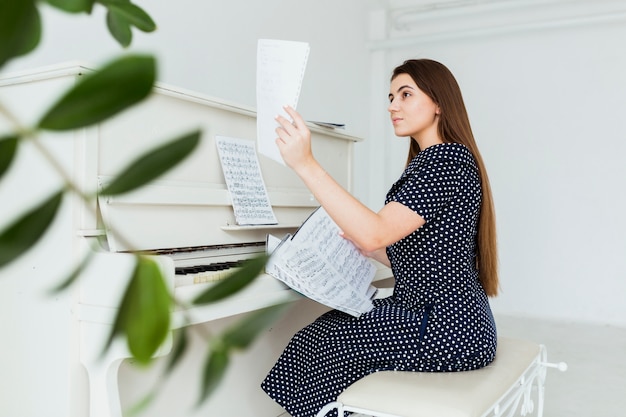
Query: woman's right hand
{"type": "Point", "coordinates": [294, 140]}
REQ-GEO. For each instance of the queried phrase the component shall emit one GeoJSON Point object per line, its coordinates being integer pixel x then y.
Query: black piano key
{"type": "Point", "coordinates": [217, 266]}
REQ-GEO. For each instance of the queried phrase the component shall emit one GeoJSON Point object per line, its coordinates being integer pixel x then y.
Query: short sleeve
{"type": "Point", "coordinates": [428, 188]}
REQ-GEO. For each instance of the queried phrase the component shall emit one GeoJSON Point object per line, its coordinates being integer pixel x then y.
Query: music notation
{"type": "Point", "coordinates": [320, 264]}
{"type": "Point", "coordinates": [242, 173]}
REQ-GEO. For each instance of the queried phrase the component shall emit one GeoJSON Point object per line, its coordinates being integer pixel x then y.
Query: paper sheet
{"type": "Point", "coordinates": [280, 69]}
{"type": "Point", "coordinates": [242, 172]}
{"type": "Point", "coordinates": [325, 267]}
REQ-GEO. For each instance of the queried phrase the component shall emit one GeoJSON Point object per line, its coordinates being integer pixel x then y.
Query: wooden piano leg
{"type": "Point", "coordinates": [102, 286]}
{"type": "Point", "coordinates": [102, 369]}
{"type": "Point", "coordinates": [104, 399]}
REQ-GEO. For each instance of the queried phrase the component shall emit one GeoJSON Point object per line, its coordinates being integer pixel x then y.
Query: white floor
{"type": "Point", "coordinates": [595, 383]}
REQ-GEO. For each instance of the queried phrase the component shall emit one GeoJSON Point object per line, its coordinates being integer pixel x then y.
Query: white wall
{"type": "Point", "coordinates": [546, 94]}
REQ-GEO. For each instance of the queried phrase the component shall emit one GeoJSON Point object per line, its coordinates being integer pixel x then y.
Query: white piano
{"type": "Point", "coordinates": [185, 217]}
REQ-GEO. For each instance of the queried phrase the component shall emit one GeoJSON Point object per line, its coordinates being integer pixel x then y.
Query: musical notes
{"type": "Point", "coordinates": [242, 173]}
{"type": "Point", "coordinates": [317, 262]}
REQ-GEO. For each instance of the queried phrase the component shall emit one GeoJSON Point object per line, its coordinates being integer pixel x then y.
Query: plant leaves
{"type": "Point", "coordinates": [180, 345]}
{"type": "Point", "coordinates": [100, 95]}
{"type": "Point", "coordinates": [74, 274]}
{"type": "Point", "coordinates": [72, 6]}
{"type": "Point", "coordinates": [119, 28]}
{"type": "Point", "coordinates": [8, 150]}
{"type": "Point", "coordinates": [152, 164]}
{"type": "Point", "coordinates": [140, 406]}
{"type": "Point", "coordinates": [144, 313]}
{"type": "Point", "coordinates": [20, 28]}
{"type": "Point", "coordinates": [235, 282]}
{"type": "Point", "coordinates": [243, 333]}
{"type": "Point", "coordinates": [21, 235]}
{"type": "Point", "coordinates": [214, 370]}
{"type": "Point", "coordinates": [132, 13]}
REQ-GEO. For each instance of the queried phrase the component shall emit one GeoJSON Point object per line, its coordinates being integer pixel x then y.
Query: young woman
{"type": "Point", "coordinates": [436, 232]}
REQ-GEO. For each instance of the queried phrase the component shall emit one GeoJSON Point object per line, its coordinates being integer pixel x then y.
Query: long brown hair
{"type": "Point", "coordinates": [436, 81]}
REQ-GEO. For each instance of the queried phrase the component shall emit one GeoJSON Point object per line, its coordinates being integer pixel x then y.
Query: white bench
{"type": "Point", "coordinates": [496, 390]}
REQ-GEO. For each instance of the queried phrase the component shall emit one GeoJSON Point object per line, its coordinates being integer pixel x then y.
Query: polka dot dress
{"type": "Point", "coordinates": [438, 318]}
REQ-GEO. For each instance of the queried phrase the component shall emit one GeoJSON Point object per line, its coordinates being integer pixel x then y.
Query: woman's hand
{"type": "Point", "coordinates": [294, 140]}
{"type": "Point", "coordinates": [379, 254]}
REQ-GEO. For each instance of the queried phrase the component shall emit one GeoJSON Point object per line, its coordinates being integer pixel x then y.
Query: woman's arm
{"type": "Point", "coordinates": [369, 230]}
{"type": "Point", "coordinates": [380, 255]}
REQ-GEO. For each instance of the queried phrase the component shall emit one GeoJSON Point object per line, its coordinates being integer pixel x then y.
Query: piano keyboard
{"type": "Point", "coordinates": [202, 274]}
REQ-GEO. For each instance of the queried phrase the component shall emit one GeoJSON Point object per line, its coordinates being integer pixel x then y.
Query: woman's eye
{"type": "Point", "coordinates": [406, 94]}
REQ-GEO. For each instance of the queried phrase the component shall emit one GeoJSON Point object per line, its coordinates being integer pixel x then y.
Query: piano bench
{"type": "Point", "coordinates": [490, 391]}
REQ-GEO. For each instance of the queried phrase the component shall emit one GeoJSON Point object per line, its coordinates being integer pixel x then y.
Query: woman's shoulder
{"type": "Point", "coordinates": [453, 152]}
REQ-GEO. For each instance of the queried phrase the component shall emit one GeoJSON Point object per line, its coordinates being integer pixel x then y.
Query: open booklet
{"type": "Point", "coordinates": [320, 264]}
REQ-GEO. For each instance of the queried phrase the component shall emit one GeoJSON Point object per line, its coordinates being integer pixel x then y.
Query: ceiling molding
{"type": "Point", "coordinates": [470, 19]}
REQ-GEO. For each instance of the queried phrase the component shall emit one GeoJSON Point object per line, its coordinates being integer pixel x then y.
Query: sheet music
{"type": "Point", "coordinates": [280, 69]}
{"type": "Point", "coordinates": [242, 172]}
{"type": "Point", "coordinates": [324, 266]}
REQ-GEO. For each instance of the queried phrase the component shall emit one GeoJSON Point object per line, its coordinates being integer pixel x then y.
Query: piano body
{"type": "Point", "coordinates": [185, 218]}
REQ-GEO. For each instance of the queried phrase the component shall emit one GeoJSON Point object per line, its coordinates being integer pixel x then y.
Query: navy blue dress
{"type": "Point", "coordinates": [438, 318]}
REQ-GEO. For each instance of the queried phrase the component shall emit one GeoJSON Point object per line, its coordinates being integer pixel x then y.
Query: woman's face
{"type": "Point", "coordinates": [412, 112]}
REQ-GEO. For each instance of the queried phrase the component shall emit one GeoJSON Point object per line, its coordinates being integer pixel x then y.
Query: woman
{"type": "Point", "coordinates": [436, 232]}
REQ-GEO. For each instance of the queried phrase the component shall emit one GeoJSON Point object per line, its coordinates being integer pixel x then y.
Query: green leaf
{"type": "Point", "coordinates": [235, 282]}
{"type": "Point", "coordinates": [20, 28]}
{"type": "Point", "coordinates": [180, 345]}
{"type": "Point", "coordinates": [144, 313]}
{"type": "Point", "coordinates": [153, 164]}
{"type": "Point", "coordinates": [72, 6]}
{"type": "Point", "coordinates": [139, 408]}
{"type": "Point", "coordinates": [100, 95]}
{"type": "Point", "coordinates": [241, 335]}
{"type": "Point", "coordinates": [133, 14]}
{"type": "Point", "coordinates": [214, 371]}
{"type": "Point", "coordinates": [8, 149]}
{"type": "Point", "coordinates": [74, 274]}
{"type": "Point", "coordinates": [119, 28]}
{"type": "Point", "coordinates": [20, 236]}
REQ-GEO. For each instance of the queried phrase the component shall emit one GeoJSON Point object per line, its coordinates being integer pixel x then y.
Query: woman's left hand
{"type": "Point", "coordinates": [294, 139]}
{"type": "Point", "coordinates": [379, 254]}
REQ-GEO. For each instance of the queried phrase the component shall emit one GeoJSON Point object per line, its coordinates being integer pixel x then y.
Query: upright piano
{"type": "Point", "coordinates": [184, 218]}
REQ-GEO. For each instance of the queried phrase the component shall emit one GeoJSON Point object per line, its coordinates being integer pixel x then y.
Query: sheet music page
{"type": "Point", "coordinates": [271, 243]}
{"type": "Point", "coordinates": [242, 172]}
{"type": "Point", "coordinates": [320, 231]}
{"type": "Point", "coordinates": [280, 69]}
{"type": "Point", "coordinates": [324, 266]}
